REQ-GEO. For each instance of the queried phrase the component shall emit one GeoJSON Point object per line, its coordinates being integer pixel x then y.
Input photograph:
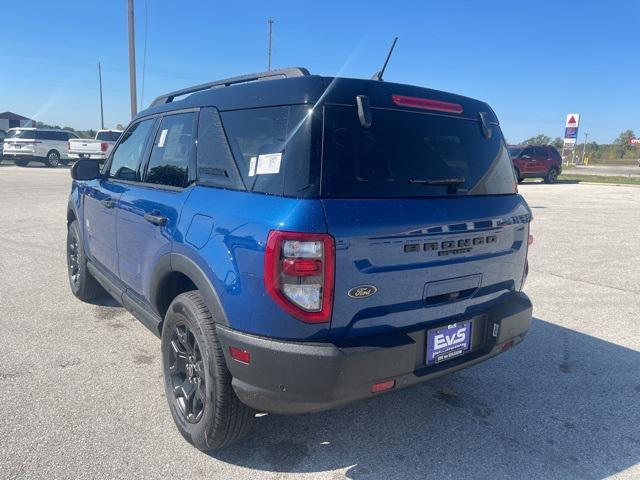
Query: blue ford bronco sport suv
{"type": "Point", "coordinates": [301, 242]}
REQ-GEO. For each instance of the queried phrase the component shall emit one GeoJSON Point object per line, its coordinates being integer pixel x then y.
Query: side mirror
{"type": "Point", "coordinates": [86, 169]}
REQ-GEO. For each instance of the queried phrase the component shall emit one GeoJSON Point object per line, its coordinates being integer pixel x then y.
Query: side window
{"type": "Point", "coordinates": [44, 135]}
{"type": "Point", "coordinates": [169, 161]}
{"type": "Point", "coordinates": [528, 152]}
{"type": "Point", "coordinates": [127, 156]}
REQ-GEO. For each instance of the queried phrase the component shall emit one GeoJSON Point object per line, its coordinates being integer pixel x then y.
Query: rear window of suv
{"type": "Point", "coordinates": [108, 136]}
{"type": "Point", "coordinates": [403, 151]}
{"type": "Point", "coordinates": [22, 134]}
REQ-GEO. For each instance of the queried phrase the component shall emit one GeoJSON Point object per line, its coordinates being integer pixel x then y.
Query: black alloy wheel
{"type": "Point", "coordinates": [186, 368]}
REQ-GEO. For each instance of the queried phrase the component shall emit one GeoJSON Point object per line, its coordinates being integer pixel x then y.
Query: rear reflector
{"type": "Point", "coordinates": [426, 104]}
{"type": "Point", "coordinates": [382, 386]}
{"type": "Point", "coordinates": [240, 355]}
{"type": "Point", "coordinates": [530, 239]}
{"type": "Point", "coordinates": [507, 345]}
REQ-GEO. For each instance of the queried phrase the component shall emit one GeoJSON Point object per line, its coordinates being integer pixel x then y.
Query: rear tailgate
{"type": "Point", "coordinates": [85, 146]}
{"type": "Point", "coordinates": [429, 259]}
{"type": "Point", "coordinates": [421, 201]}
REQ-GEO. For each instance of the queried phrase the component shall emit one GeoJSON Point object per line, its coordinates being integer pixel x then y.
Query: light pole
{"type": "Point", "coordinates": [132, 61]}
{"type": "Point", "coordinates": [584, 147]}
{"type": "Point", "coordinates": [270, 37]}
{"type": "Point", "coordinates": [101, 106]}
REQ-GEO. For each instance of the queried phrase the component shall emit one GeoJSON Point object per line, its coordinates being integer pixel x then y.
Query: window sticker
{"type": "Point", "coordinates": [269, 163]}
{"type": "Point", "coordinates": [252, 166]}
{"type": "Point", "coordinates": [163, 137]}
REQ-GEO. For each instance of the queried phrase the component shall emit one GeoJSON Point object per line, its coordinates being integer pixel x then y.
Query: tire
{"type": "Point", "coordinates": [552, 175]}
{"type": "Point", "coordinates": [519, 177]}
{"type": "Point", "coordinates": [82, 283]}
{"type": "Point", "coordinates": [21, 162]}
{"type": "Point", "coordinates": [212, 417]}
{"type": "Point", "coordinates": [53, 159]}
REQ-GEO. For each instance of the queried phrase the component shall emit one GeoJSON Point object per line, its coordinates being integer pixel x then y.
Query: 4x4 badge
{"type": "Point", "coordinates": [362, 291]}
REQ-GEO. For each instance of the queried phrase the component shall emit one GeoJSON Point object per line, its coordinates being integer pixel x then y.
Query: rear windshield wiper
{"type": "Point", "coordinates": [438, 181]}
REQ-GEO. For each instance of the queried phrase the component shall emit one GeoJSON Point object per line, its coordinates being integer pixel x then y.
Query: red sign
{"type": "Point", "coordinates": [634, 141]}
{"type": "Point", "coordinates": [572, 121]}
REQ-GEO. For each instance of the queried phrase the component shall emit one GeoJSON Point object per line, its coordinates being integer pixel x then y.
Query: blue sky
{"type": "Point", "coordinates": [534, 62]}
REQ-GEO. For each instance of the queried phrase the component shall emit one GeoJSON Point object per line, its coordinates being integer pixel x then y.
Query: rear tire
{"type": "Point", "coordinates": [53, 159]}
{"type": "Point", "coordinates": [518, 176]}
{"type": "Point", "coordinates": [197, 382]}
{"type": "Point", "coordinates": [552, 175]}
{"type": "Point", "coordinates": [82, 283]}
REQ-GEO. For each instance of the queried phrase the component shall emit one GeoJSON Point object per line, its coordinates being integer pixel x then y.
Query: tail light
{"type": "Point", "coordinates": [104, 146]}
{"type": "Point", "coordinates": [299, 274]}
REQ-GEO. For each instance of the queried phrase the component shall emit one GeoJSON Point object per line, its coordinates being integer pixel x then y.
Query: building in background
{"type": "Point", "coordinates": [12, 120]}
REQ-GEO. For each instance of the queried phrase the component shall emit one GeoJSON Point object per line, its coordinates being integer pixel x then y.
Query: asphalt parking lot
{"type": "Point", "coordinates": [81, 394]}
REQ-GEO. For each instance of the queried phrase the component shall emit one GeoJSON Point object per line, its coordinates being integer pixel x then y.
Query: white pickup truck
{"type": "Point", "coordinates": [97, 148]}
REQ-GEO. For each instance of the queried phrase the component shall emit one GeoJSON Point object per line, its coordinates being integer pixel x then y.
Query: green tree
{"type": "Point", "coordinates": [622, 142]}
{"type": "Point", "coordinates": [540, 139]}
{"type": "Point", "coordinates": [557, 142]}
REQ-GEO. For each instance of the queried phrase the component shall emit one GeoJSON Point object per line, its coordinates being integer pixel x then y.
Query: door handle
{"type": "Point", "coordinates": [108, 203]}
{"type": "Point", "coordinates": [155, 219]}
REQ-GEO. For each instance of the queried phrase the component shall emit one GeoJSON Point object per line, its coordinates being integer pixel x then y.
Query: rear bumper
{"type": "Point", "coordinates": [290, 378]}
{"type": "Point", "coordinates": [13, 154]}
{"type": "Point", "coordinates": [92, 156]}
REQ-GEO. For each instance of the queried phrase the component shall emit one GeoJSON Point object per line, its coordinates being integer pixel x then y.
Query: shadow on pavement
{"type": "Point", "coordinates": [560, 181]}
{"type": "Point", "coordinates": [561, 405]}
{"type": "Point", "coordinates": [10, 163]}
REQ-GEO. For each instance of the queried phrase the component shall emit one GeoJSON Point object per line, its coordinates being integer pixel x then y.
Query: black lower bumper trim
{"type": "Point", "coordinates": [293, 377]}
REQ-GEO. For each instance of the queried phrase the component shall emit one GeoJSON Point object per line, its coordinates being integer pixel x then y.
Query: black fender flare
{"type": "Point", "coordinates": [176, 262]}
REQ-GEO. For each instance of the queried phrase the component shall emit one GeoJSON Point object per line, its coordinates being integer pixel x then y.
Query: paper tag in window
{"type": "Point", "coordinates": [252, 166]}
{"type": "Point", "coordinates": [269, 163]}
{"type": "Point", "coordinates": [163, 137]}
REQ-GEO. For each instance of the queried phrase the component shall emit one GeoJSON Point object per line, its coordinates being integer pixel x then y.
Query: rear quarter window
{"type": "Point", "coordinates": [272, 149]}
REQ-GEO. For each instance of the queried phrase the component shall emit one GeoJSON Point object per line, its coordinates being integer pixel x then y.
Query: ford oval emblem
{"type": "Point", "coordinates": [363, 291]}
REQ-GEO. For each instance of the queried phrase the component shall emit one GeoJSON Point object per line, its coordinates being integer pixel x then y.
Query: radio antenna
{"type": "Point", "coordinates": [379, 74]}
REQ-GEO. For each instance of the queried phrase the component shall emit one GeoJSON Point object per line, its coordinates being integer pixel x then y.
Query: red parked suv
{"type": "Point", "coordinates": [536, 161]}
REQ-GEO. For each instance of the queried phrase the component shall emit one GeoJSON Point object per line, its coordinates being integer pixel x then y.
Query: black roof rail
{"type": "Point", "coordinates": [252, 77]}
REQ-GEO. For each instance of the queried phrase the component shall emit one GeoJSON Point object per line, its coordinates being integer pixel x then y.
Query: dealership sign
{"type": "Point", "coordinates": [633, 141]}
{"type": "Point", "coordinates": [571, 130]}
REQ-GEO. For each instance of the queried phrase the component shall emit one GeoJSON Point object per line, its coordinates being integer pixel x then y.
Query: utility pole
{"type": "Point", "coordinates": [270, 39]}
{"type": "Point", "coordinates": [101, 106]}
{"type": "Point", "coordinates": [132, 62]}
{"type": "Point", "coordinates": [584, 147]}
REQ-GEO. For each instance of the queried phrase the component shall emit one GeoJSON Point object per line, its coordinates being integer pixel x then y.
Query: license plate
{"type": "Point", "coordinates": [448, 341]}
{"type": "Point", "coordinates": [17, 146]}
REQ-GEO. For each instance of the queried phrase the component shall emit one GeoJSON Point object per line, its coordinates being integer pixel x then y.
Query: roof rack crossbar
{"type": "Point", "coordinates": [252, 77]}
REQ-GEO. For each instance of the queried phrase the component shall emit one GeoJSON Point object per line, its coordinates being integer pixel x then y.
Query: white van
{"type": "Point", "coordinates": [39, 144]}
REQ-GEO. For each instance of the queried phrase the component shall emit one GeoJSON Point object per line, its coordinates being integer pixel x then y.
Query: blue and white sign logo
{"type": "Point", "coordinates": [447, 342]}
